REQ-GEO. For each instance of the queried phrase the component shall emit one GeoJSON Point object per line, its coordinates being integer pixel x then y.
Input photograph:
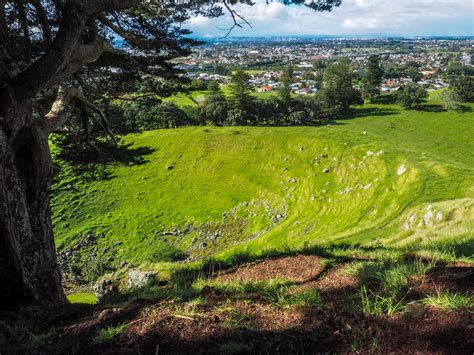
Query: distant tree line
{"type": "Point", "coordinates": [339, 85]}
{"type": "Point", "coordinates": [335, 98]}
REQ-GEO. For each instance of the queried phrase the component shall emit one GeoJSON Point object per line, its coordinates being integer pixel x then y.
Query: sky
{"type": "Point", "coordinates": [353, 17]}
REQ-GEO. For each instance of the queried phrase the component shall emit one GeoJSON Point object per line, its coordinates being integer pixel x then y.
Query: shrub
{"type": "Point", "coordinates": [411, 95]}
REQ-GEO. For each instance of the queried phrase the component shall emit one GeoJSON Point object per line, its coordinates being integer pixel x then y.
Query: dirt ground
{"type": "Point", "coordinates": [237, 325]}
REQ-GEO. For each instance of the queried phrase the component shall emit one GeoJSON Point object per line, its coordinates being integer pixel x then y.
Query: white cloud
{"type": "Point", "coordinates": [404, 17]}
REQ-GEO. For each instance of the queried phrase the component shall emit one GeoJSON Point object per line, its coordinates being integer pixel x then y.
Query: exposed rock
{"type": "Point", "coordinates": [326, 170]}
{"type": "Point", "coordinates": [439, 216]}
{"type": "Point", "coordinates": [409, 222]}
{"type": "Point", "coordinates": [170, 167]}
{"type": "Point", "coordinates": [106, 314]}
{"type": "Point", "coordinates": [139, 278]}
{"type": "Point", "coordinates": [106, 289]}
{"type": "Point", "coordinates": [428, 218]}
{"type": "Point", "coordinates": [402, 170]}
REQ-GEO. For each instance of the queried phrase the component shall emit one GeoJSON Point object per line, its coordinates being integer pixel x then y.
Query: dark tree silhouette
{"type": "Point", "coordinates": [51, 54]}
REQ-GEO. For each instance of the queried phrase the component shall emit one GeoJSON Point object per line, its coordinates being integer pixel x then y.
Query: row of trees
{"type": "Point", "coordinates": [339, 90]}
{"type": "Point", "coordinates": [335, 98]}
{"type": "Point", "coordinates": [240, 107]}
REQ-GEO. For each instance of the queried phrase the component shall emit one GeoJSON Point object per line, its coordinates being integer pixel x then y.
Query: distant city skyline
{"type": "Point", "coordinates": [353, 17]}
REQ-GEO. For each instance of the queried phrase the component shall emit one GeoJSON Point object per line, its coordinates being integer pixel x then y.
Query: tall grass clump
{"type": "Point", "coordinates": [449, 301]}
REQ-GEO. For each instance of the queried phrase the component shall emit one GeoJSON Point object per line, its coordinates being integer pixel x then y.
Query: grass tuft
{"type": "Point", "coordinates": [106, 335]}
{"type": "Point", "coordinates": [449, 301]}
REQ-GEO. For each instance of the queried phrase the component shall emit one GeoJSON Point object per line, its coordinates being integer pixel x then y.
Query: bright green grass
{"type": "Point", "coordinates": [254, 174]}
{"type": "Point", "coordinates": [200, 96]}
{"type": "Point", "coordinates": [82, 297]}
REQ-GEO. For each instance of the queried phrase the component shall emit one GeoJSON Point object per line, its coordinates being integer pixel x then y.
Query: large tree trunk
{"type": "Point", "coordinates": [29, 274]}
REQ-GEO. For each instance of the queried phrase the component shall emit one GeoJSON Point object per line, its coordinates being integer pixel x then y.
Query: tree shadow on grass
{"type": "Point", "coordinates": [93, 166]}
{"type": "Point", "coordinates": [231, 324]}
{"type": "Point", "coordinates": [369, 111]}
{"type": "Point", "coordinates": [337, 325]}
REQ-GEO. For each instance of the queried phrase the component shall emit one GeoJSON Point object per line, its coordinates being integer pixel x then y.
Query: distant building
{"type": "Point", "coordinates": [265, 88]}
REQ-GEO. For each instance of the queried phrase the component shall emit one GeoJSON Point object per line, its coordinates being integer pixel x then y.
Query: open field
{"type": "Point", "coordinates": [350, 237]}
{"type": "Point", "coordinates": [383, 177]}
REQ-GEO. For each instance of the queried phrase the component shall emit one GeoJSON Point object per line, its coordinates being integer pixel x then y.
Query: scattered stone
{"type": "Point", "coordinates": [170, 167]}
{"type": "Point", "coordinates": [105, 289]}
{"type": "Point", "coordinates": [402, 170]}
{"type": "Point", "coordinates": [409, 222]}
{"type": "Point", "coordinates": [428, 218]}
{"type": "Point", "coordinates": [439, 216]}
{"type": "Point", "coordinates": [106, 314]}
{"type": "Point", "coordinates": [140, 279]}
{"type": "Point", "coordinates": [370, 153]}
{"type": "Point", "coordinates": [364, 133]}
{"type": "Point", "coordinates": [326, 170]}
{"type": "Point", "coordinates": [292, 180]}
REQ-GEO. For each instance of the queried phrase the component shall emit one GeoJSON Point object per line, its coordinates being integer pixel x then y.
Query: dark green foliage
{"type": "Point", "coordinates": [166, 253]}
{"type": "Point", "coordinates": [151, 113]}
{"type": "Point", "coordinates": [215, 108]}
{"type": "Point", "coordinates": [459, 69]}
{"type": "Point", "coordinates": [338, 93]}
{"type": "Point", "coordinates": [284, 91]}
{"type": "Point", "coordinates": [222, 70]}
{"type": "Point", "coordinates": [392, 71]}
{"type": "Point", "coordinates": [373, 78]}
{"type": "Point", "coordinates": [463, 88]}
{"type": "Point", "coordinates": [413, 73]}
{"type": "Point", "coordinates": [241, 101]}
{"type": "Point", "coordinates": [411, 95]}
{"type": "Point", "coordinates": [197, 85]}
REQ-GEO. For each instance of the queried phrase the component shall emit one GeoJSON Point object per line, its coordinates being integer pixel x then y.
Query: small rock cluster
{"type": "Point", "coordinates": [429, 219]}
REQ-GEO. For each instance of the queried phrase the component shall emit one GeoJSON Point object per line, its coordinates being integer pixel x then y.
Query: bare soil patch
{"type": "Point", "coordinates": [299, 268]}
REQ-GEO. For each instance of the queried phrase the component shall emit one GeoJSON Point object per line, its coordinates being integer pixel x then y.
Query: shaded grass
{"type": "Point", "coordinates": [108, 334]}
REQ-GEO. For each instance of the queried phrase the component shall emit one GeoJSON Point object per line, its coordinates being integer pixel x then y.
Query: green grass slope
{"type": "Point", "coordinates": [386, 176]}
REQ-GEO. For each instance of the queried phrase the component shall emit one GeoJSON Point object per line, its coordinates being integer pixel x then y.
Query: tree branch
{"type": "Point", "coordinates": [43, 19]}
{"type": "Point", "coordinates": [60, 110]}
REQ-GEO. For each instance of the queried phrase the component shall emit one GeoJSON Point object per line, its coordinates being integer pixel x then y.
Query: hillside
{"type": "Point", "coordinates": [382, 177]}
{"type": "Point", "coordinates": [353, 237]}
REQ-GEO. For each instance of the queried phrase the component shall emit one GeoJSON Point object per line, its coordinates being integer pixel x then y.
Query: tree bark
{"type": "Point", "coordinates": [29, 274]}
